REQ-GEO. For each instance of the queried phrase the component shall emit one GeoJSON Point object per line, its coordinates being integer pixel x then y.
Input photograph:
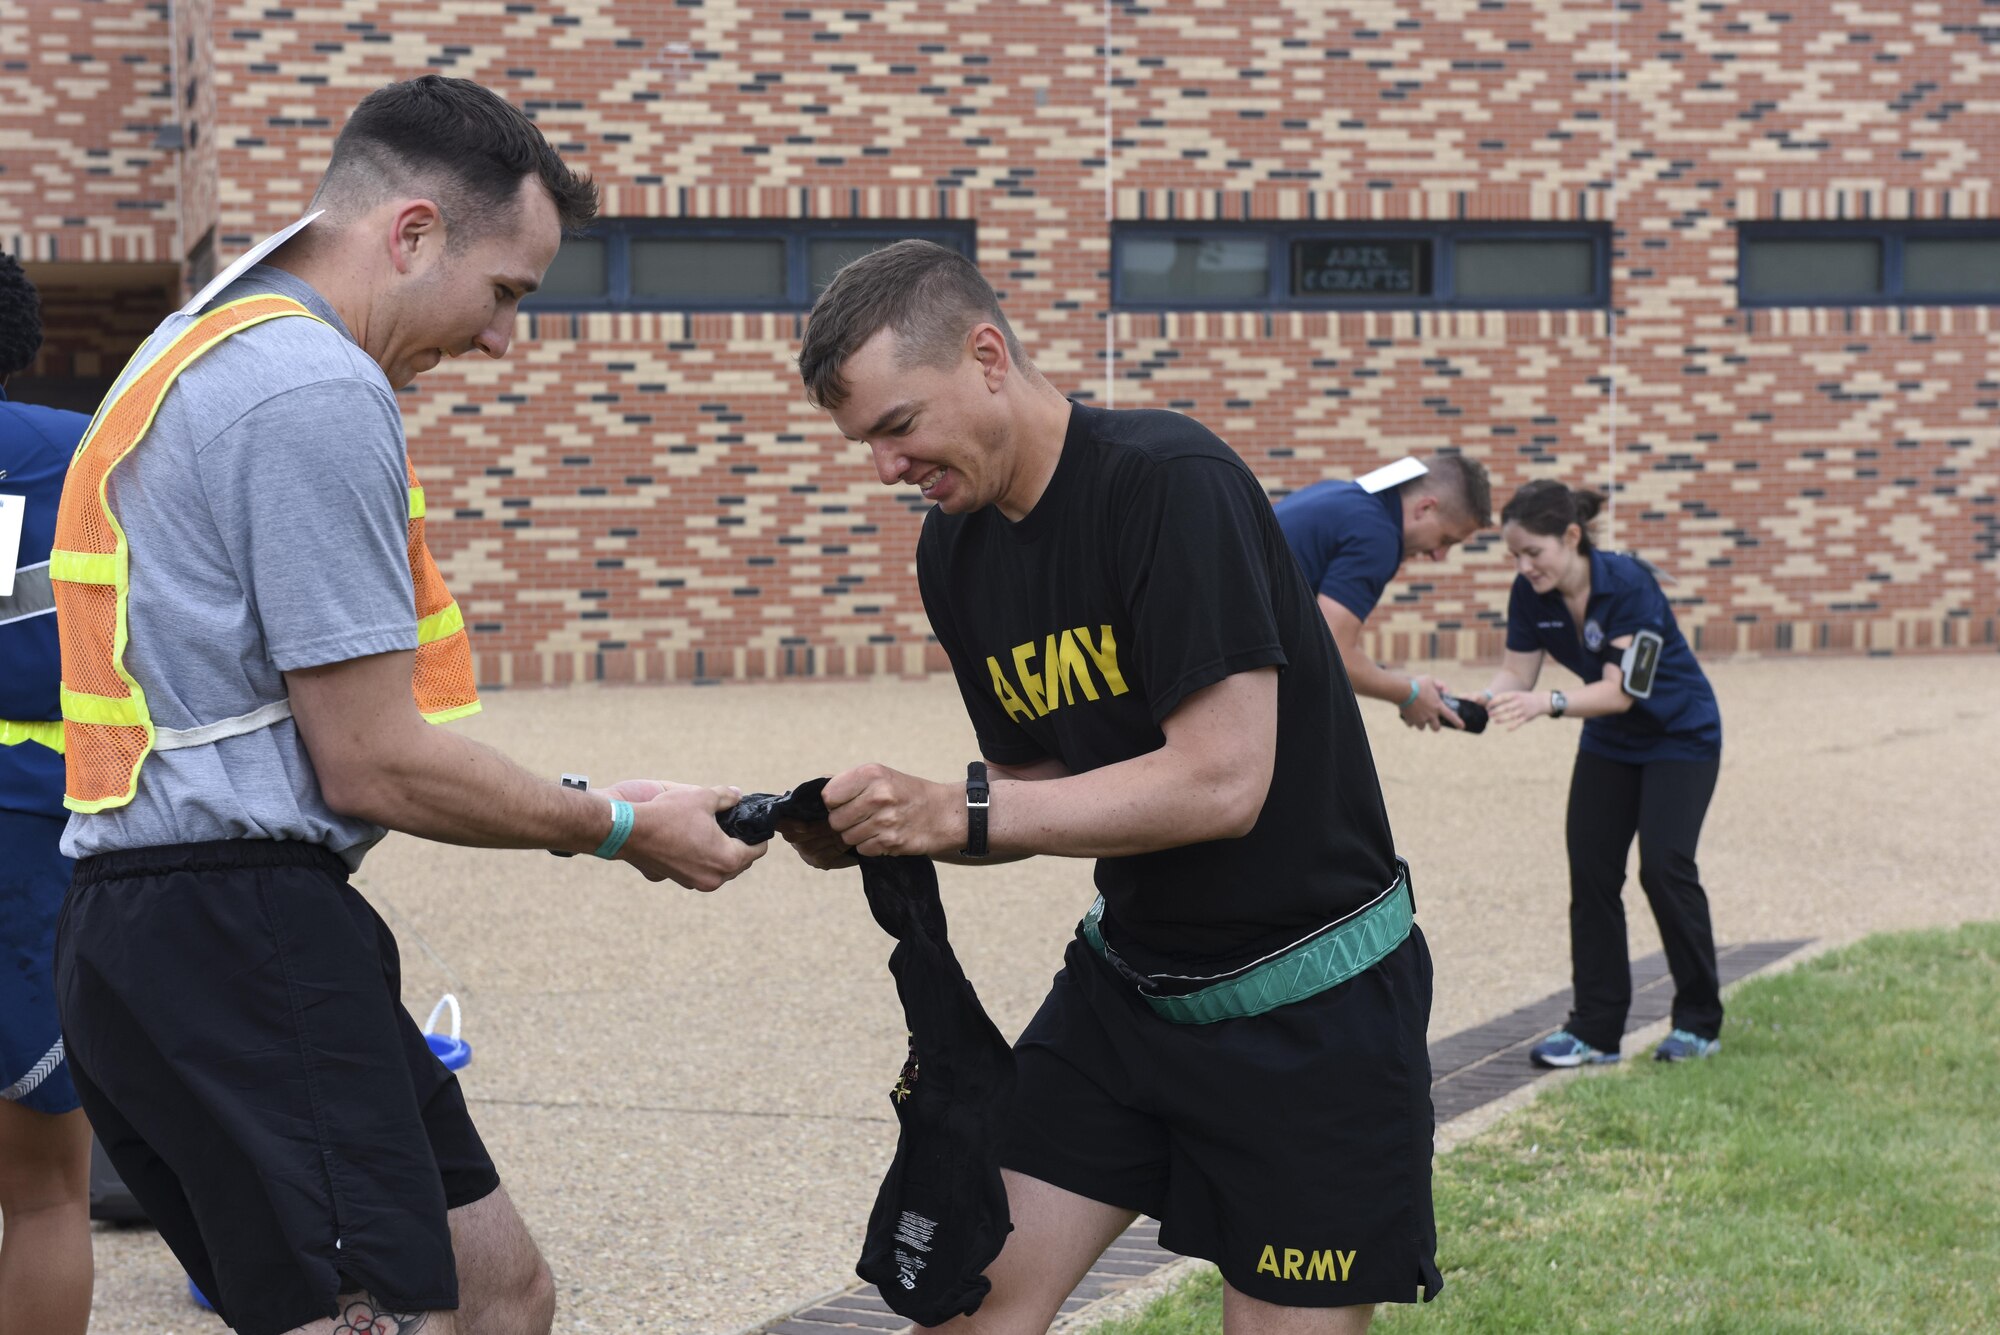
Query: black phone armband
{"type": "Point", "coordinates": [1641, 663]}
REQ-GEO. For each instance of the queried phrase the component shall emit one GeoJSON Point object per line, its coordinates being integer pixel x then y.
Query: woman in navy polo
{"type": "Point", "coordinates": [1645, 766]}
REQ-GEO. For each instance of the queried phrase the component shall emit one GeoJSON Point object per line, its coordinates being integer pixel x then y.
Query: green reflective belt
{"type": "Point", "coordinates": [49, 734]}
{"type": "Point", "coordinates": [1349, 947]}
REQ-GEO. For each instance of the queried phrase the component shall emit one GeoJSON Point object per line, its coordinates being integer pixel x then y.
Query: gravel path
{"type": "Point", "coordinates": [687, 1094]}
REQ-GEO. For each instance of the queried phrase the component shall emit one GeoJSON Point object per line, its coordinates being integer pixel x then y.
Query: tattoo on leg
{"type": "Point", "coordinates": [362, 1317]}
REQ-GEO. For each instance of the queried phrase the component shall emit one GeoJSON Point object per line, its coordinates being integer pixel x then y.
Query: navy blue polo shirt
{"type": "Point", "coordinates": [35, 448]}
{"type": "Point", "coordinates": [1680, 720]}
{"type": "Point", "coordinates": [1349, 543]}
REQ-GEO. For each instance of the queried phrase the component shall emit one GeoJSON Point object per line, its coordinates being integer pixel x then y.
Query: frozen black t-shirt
{"type": "Point", "coordinates": [1152, 567]}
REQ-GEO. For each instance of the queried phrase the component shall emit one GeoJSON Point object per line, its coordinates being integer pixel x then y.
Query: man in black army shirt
{"type": "Point", "coordinates": [1236, 1042]}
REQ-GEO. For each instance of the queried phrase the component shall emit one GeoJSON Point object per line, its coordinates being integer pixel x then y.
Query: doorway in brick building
{"type": "Point", "coordinates": [94, 317]}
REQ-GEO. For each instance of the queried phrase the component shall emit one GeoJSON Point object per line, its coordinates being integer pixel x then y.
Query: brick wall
{"type": "Point", "coordinates": [648, 497]}
{"type": "Point", "coordinates": [195, 102]}
{"type": "Point", "coordinates": [83, 172]}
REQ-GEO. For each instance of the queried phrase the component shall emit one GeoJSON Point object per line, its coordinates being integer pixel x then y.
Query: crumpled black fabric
{"type": "Point", "coordinates": [1472, 713]}
{"type": "Point", "coordinates": [941, 1215]}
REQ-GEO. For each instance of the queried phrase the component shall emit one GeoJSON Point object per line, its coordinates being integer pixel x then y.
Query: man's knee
{"type": "Point", "coordinates": [538, 1299]}
{"type": "Point", "coordinates": [502, 1277]}
{"type": "Point", "coordinates": [44, 1160]}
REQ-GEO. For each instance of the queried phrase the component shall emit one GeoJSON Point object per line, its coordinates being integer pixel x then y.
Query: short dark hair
{"type": "Point", "coordinates": [1460, 482]}
{"type": "Point", "coordinates": [465, 144]}
{"type": "Point", "coordinates": [1547, 507]}
{"type": "Point", "coordinates": [929, 294]}
{"type": "Point", "coordinates": [20, 318]}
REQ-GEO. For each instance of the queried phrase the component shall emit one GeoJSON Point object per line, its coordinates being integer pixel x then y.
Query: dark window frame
{"type": "Point", "coordinates": [1891, 232]}
{"type": "Point", "coordinates": [797, 234]}
{"type": "Point", "coordinates": [1280, 236]}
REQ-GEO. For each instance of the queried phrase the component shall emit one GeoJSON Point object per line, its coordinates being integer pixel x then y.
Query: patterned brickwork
{"type": "Point", "coordinates": [84, 171]}
{"type": "Point", "coordinates": [648, 497]}
{"type": "Point", "coordinates": [194, 37]}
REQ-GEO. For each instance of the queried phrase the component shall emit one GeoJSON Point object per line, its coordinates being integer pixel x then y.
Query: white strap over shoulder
{"type": "Point", "coordinates": [179, 739]}
{"type": "Point", "coordinates": [244, 263]}
{"type": "Point", "coordinates": [1391, 475]}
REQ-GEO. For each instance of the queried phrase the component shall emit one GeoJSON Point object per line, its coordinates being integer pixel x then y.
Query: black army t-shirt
{"type": "Point", "coordinates": [1152, 567]}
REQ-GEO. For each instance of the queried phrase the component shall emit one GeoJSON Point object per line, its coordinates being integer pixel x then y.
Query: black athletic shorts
{"type": "Point", "coordinates": [1292, 1149]}
{"type": "Point", "coordinates": [235, 1026]}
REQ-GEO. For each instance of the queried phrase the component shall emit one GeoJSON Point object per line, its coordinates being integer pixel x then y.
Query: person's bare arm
{"type": "Point", "coordinates": [1207, 781]}
{"type": "Point", "coordinates": [1518, 672]}
{"type": "Point", "coordinates": [1600, 699]}
{"type": "Point", "coordinates": [1371, 679]}
{"type": "Point", "coordinates": [377, 760]}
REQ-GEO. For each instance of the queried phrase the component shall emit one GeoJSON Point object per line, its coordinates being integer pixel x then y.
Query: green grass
{"type": "Point", "coordinates": [1837, 1168]}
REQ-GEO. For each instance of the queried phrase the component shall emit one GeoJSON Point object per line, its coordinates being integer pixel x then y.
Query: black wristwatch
{"type": "Point", "coordinates": [1558, 702]}
{"type": "Point", "coordinates": [978, 797]}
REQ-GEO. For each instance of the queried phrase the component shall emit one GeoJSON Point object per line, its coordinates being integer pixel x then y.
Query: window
{"type": "Point", "coordinates": [1394, 266]}
{"type": "Point", "coordinates": [1165, 268]}
{"type": "Point", "coordinates": [580, 269]}
{"type": "Point", "coordinates": [626, 264]}
{"type": "Point", "coordinates": [1510, 272]}
{"type": "Point", "coordinates": [1868, 263]}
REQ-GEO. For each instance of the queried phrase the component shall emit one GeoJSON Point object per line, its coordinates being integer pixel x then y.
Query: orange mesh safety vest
{"type": "Point", "coordinates": [107, 732]}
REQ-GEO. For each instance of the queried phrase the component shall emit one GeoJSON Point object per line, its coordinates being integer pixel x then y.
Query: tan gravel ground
{"type": "Point", "coordinates": [687, 1095]}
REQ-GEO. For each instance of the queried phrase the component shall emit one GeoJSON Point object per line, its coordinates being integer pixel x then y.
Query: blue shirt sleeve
{"type": "Point", "coordinates": [1357, 575]}
{"type": "Point", "coordinates": [1521, 635]}
{"type": "Point", "coordinates": [1639, 604]}
{"type": "Point", "coordinates": [1345, 542]}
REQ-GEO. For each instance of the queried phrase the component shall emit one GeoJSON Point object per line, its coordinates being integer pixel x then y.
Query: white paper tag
{"type": "Point", "coordinates": [1391, 475]}
{"type": "Point", "coordinates": [13, 509]}
{"type": "Point", "coordinates": [244, 262]}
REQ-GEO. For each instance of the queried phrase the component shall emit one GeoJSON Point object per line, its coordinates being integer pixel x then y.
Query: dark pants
{"type": "Point", "coordinates": [1663, 803]}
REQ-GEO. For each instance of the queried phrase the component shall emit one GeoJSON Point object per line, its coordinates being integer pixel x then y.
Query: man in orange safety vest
{"type": "Point", "coordinates": [255, 640]}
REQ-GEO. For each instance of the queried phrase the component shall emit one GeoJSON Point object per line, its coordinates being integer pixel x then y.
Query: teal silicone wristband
{"type": "Point", "coordinates": [621, 829]}
{"type": "Point", "coordinates": [1416, 689]}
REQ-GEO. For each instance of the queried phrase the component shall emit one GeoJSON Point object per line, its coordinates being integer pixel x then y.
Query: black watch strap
{"type": "Point", "coordinates": [978, 798]}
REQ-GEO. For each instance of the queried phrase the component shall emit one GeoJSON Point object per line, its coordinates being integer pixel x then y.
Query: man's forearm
{"type": "Point", "coordinates": [454, 790]}
{"type": "Point", "coordinates": [1207, 780]}
{"type": "Point", "coordinates": [1371, 679]}
{"type": "Point", "coordinates": [1143, 805]}
{"type": "Point", "coordinates": [1368, 677]}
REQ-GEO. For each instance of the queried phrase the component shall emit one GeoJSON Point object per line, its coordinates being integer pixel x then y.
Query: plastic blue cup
{"type": "Point", "coordinates": [452, 1050]}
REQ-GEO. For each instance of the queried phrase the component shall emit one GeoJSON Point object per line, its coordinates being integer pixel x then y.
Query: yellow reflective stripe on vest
{"type": "Point", "coordinates": [48, 734]}
{"type": "Point", "coordinates": [113, 568]}
{"type": "Point", "coordinates": [416, 502]}
{"type": "Point", "coordinates": [86, 567]}
{"type": "Point", "coordinates": [453, 715]}
{"type": "Point", "coordinates": [439, 624]}
{"type": "Point", "coordinates": [77, 707]}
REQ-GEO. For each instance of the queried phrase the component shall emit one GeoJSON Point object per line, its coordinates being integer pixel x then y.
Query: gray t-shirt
{"type": "Point", "coordinates": [267, 514]}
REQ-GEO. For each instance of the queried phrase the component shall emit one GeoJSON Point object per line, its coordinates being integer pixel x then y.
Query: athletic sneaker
{"type": "Point", "coordinates": [1681, 1046]}
{"type": "Point", "coordinates": [1562, 1048]}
